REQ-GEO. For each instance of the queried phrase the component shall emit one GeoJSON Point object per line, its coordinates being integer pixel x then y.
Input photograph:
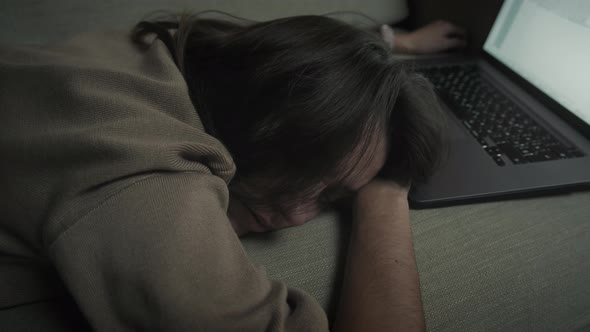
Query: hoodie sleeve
{"type": "Point", "coordinates": [160, 254]}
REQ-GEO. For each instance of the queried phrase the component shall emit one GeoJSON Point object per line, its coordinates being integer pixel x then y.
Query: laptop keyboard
{"type": "Point", "coordinates": [500, 126]}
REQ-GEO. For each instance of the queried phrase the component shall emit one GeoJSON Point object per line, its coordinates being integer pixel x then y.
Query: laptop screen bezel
{"type": "Point", "coordinates": [561, 111]}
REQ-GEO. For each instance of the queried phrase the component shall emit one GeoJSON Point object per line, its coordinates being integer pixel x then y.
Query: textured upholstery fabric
{"type": "Point", "coordinates": [40, 22]}
{"type": "Point", "coordinates": [519, 265]}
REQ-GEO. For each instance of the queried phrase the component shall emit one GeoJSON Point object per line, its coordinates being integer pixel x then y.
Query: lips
{"type": "Point", "coordinates": [273, 221]}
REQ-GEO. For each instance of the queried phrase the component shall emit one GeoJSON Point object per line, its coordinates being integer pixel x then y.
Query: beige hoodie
{"type": "Point", "coordinates": [111, 186]}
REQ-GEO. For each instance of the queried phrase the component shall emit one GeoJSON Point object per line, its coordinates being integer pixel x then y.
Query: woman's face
{"type": "Point", "coordinates": [247, 219]}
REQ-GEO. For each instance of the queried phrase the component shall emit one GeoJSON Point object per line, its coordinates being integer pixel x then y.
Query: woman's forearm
{"type": "Point", "coordinates": [381, 287]}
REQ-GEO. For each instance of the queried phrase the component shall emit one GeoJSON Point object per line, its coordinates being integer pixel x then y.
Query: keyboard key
{"type": "Point", "coordinates": [499, 161]}
{"type": "Point", "coordinates": [498, 124]}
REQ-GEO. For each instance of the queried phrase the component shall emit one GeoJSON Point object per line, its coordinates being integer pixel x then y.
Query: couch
{"type": "Point", "coordinates": [514, 265]}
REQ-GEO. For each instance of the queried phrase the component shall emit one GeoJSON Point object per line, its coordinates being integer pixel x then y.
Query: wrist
{"type": "Point", "coordinates": [384, 188]}
{"type": "Point", "coordinates": [382, 196]}
{"type": "Point", "coordinates": [403, 43]}
{"type": "Point", "coordinates": [384, 210]}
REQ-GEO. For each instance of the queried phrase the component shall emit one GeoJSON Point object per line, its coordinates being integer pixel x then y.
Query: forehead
{"type": "Point", "coordinates": [364, 163]}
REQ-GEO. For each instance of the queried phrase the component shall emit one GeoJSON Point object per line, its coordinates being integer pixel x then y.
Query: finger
{"type": "Point", "coordinates": [456, 32]}
{"type": "Point", "coordinates": [451, 43]}
{"type": "Point", "coordinates": [452, 30]}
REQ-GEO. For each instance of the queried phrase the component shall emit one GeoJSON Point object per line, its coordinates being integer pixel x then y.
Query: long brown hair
{"type": "Point", "coordinates": [290, 98]}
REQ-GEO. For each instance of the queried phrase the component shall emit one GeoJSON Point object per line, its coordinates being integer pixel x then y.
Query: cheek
{"type": "Point", "coordinates": [293, 217]}
{"type": "Point", "coordinates": [301, 218]}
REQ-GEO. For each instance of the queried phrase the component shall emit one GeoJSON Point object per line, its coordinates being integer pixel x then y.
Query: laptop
{"type": "Point", "coordinates": [519, 115]}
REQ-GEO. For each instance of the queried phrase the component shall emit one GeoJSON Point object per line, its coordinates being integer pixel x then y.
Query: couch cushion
{"type": "Point", "coordinates": [39, 22]}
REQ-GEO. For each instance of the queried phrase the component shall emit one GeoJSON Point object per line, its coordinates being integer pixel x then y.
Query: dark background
{"type": "Point", "coordinates": [476, 17]}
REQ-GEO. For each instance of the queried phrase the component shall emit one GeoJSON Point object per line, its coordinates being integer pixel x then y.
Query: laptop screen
{"type": "Point", "coordinates": [547, 42]}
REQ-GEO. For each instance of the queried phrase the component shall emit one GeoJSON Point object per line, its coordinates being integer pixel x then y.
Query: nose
{"type": "Point", "coordinates": [302, 214]}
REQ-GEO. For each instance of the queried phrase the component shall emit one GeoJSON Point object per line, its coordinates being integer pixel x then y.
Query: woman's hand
{"type": "Point", "coordinates": [435, 37]}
